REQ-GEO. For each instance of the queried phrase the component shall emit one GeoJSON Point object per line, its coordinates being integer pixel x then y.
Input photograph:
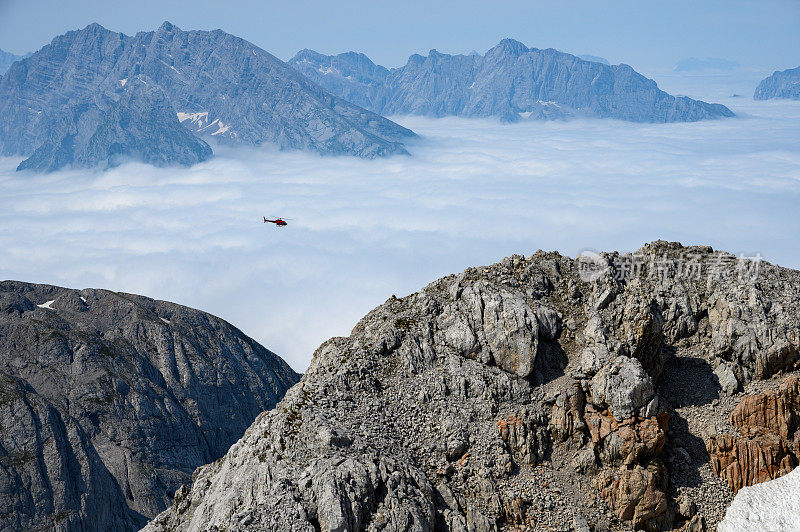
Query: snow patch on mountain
{"type": "Point", "coordinates": [199, 119]}
{"type": "Point", "coordinates": [200, 124]}
{"type": "Point", "coordinates": [770, 506]}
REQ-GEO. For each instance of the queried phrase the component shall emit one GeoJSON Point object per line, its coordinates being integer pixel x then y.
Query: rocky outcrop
{"type": "Point", "coordinates": [526, 438]}
{"type": "Point", "coordinates": [94, 96]}
{"type": "Point", "coordinates": [769, 443]}
{"type": "Point", "coordinates": [781, 84]}
{"type": "Point", "coordinates": [623, 387]}
{"type": "Point", "coordinates": [498, 398]}
{"type": "Point", "coordinates": [637, 495]}
{"type": "Point", "coordinates": [511, 82]}
{"type": "Point", "coordinates": [109, 401]}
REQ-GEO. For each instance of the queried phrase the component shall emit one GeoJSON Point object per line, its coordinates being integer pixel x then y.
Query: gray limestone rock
{"type": "Point", "coordinates": [453, 410]}
{"type": "Point", "coordinates": [135, 122]}
{"type": "Point", "coordinates": [70, 103]}
{"type": "Point", "coordinates": [727, 379]}
{"type": "Point", "coordinates": [623, 387]}
{"type": "Point", "coordinates": [109, 401]}
{"type": "Point", "coordinates": [781, 84]}
{"type": "Point", "coordinates": [511, 82]}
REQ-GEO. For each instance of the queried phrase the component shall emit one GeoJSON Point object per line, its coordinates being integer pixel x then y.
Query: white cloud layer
{"type": "Point", "coordinates": [472, 193]}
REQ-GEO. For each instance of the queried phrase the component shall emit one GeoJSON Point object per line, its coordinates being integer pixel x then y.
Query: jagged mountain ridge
{"type": "Point", "coordinates": [79, 101]}
{"type": "Point", "coordinates": [535, 392]}
{"type": "Point", "coordinates": [510, 82]}
{"type": "Point", "coordinates": [109, 401]}
{"type": "Point", "coordinates": [781, 84]}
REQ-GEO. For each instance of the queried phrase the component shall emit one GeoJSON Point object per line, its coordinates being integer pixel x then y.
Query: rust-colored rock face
{"type": "Point", "coordinates": [526, 439]}
{"type": "Point", "coordinates": [763, 414]}
{"type": "Point", "coordinates": [566, 419]}
{"type": "Point", "coordinates": [630, 441]}
{"type": "Point", "coordinates": [631, 477]}
{"type": "Point", "coordinates": [769, 444]}
{"type": "Point", "coordinates": [744, 462]}
{"type": "Point", "coordinates": [636, 494]}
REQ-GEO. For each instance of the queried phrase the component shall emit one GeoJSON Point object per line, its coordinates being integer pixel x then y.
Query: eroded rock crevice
{"type": "Point", "coordinates": [768, 444]}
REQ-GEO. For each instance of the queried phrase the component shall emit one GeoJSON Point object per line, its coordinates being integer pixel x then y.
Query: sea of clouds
{"type": "Point", "coordinates": [471, 193]}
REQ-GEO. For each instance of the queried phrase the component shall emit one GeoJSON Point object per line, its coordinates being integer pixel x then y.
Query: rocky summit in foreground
{"type": "Point", "coordinates": [510, 82]}
{"type": "Point", "coordinates": [540, 393]}
{"type": "Point", "coordinates": [781, 84]}
{"type": "Point", "coordinates": [97, 97]}
{"type": "Point", "coordinates": [109, 401]}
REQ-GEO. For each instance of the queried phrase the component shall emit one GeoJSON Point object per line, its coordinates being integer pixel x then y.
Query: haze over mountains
{"type": "Point", "coordinates": [598, 59]}
{"type": "Point", "coordinates": [95, 96]}
{"type": "Point", "coordinates": [693, 64]}
{"type": "Point", "coordinates": [6, 59]}
{"type": "Point", "coordinates": [510, 82]}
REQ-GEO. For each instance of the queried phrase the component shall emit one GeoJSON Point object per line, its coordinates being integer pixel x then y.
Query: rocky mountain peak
{"type": "Point", "coordinates": [70, 116]}
{"type": "Point", "coordinates": [501, 396]}
{"type": "Point", "coordinates": [94, 28]}
{"type": "Point", "coordinates": [109, 401]}
{"type": "Point", "coordinates": [511, 82]}
{"type": "Point", "coordinates": [507, 48]}
{"type": "Point", "coordinates": [168, 27]}
{"type": "Point", "coordinates": [781, 84]}
{"type": "Point", "coordinates": [307, 53]}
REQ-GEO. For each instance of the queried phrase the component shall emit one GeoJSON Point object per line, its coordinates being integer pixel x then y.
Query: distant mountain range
{"type": "Point", "coordinates": [693, 64]}
{"type": "Point", "coordinates": [6, 59]}
{"type": "Point", "coordinates": [781, 84]}
{"type": "Point", "coordinates": [595, 58]}
{"type": "Point", "coordinates": [94, 96]}
{"type": "Point", "coordinates": [510, 82]}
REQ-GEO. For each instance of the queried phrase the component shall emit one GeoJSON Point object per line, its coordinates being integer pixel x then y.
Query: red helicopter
{"type": "Point", "coordinates": [280, 222]}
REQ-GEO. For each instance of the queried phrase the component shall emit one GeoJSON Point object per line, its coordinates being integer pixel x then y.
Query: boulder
{"type": "Point", "coordinates": [630, 441]}
{"type": "Point", "coordinates": [637, 494]}
{"type": "Point", "coordinates": [623, 387]}
{"type": "Point", "coordinates": [497, 322]}
{"type": "Point", "coordinates": [727, 379]}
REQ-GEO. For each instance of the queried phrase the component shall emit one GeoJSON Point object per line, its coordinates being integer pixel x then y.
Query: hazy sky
{"type": "Point", "coordinates": [650, 35]}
